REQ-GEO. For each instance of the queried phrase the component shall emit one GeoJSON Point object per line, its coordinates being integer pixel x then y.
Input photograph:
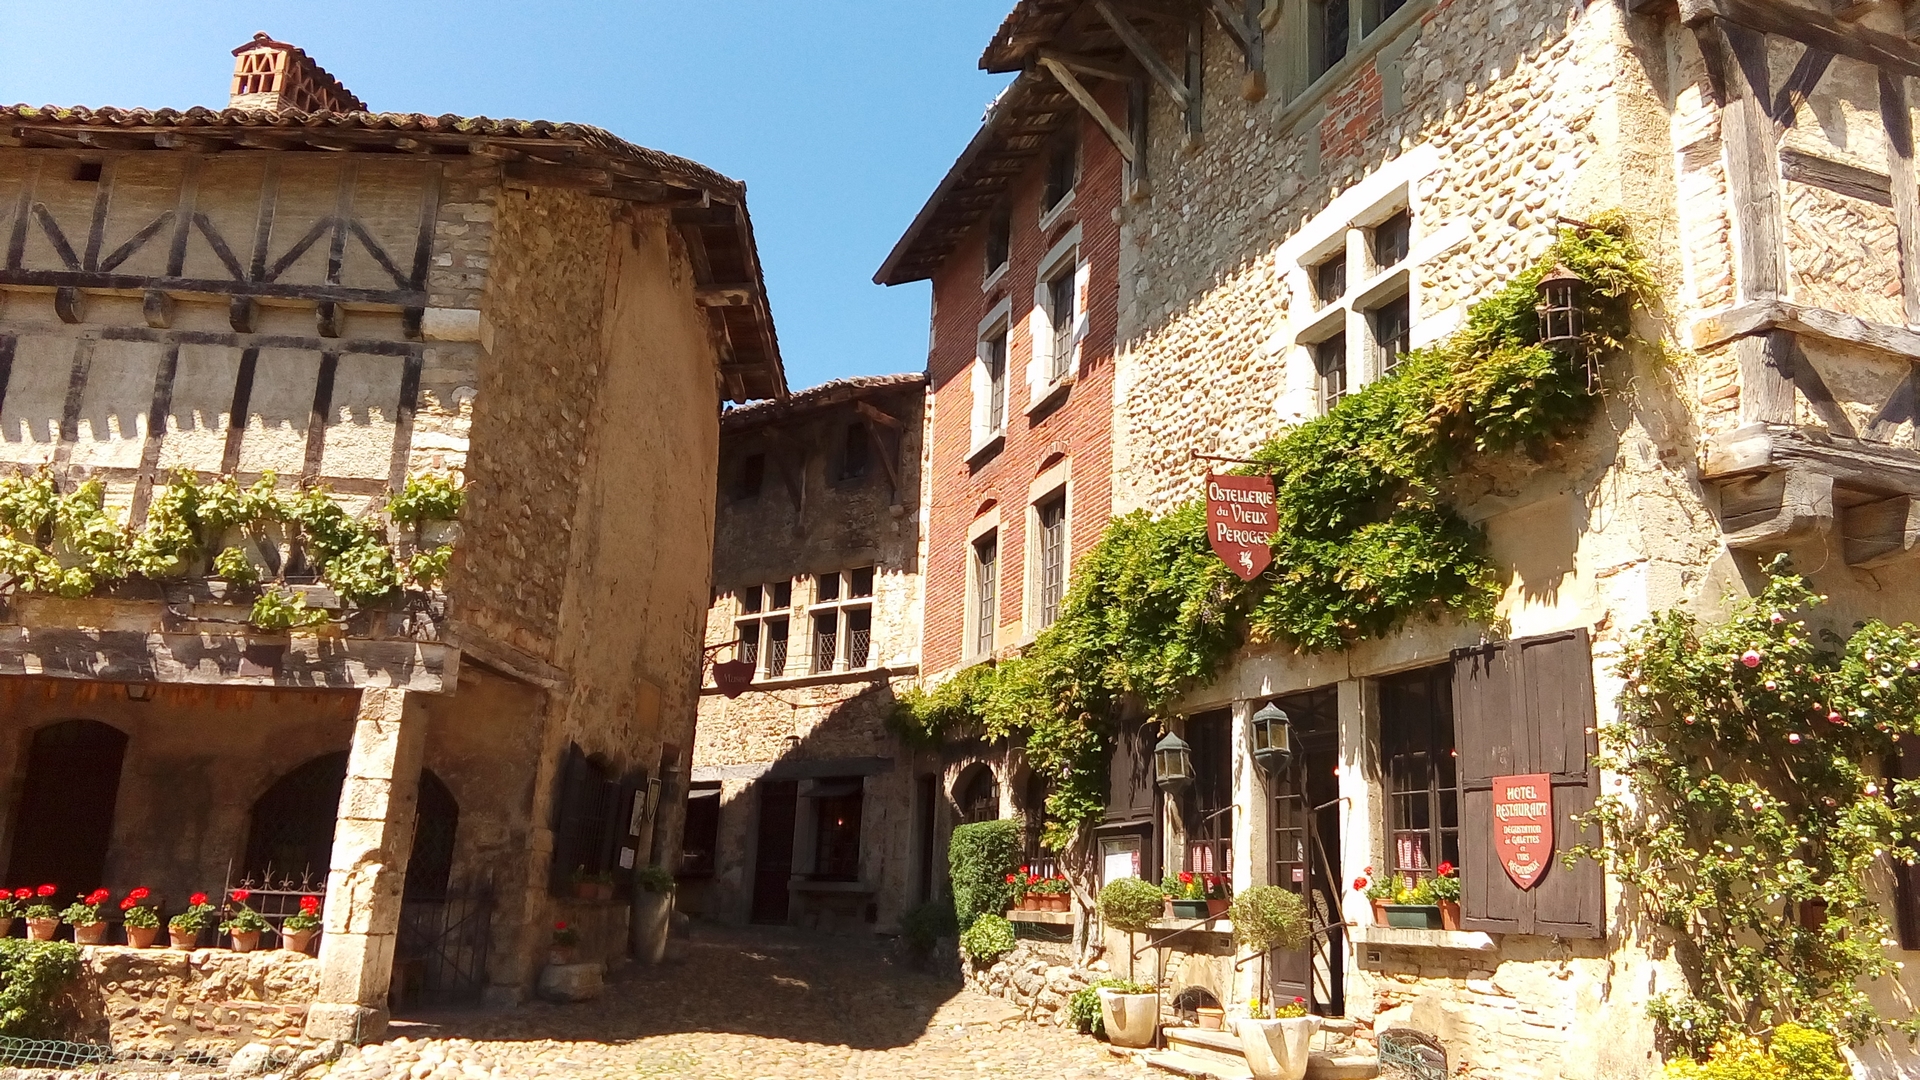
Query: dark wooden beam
{"type": "Point", "coordinates": [1848, 180]}
{"type": "Point", "coordinates": [1088, 102]}
{"type": "Point", "coordinates": [1816, 28]}
{"type": "Point", "coordinates": [1904, 186]}
{"type": "Point", "coordinates": [1087, 65]}
{"type": "Point", "coordinates": [1143, 52]}
{"type": "Point", "coordinates": [238, 660]}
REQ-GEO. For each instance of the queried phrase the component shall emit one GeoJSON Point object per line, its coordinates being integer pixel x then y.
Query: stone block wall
{"type": "Point", "coordinates": [166, 1002]}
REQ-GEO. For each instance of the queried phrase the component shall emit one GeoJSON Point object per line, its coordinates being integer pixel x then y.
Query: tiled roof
{"type": "Point", "coordinates": [387, 126]}
{"type": "Point", "coordinates": [837, 392]}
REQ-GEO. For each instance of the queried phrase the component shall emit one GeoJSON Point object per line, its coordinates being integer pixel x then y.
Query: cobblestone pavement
{"type": "Point", "coordinates": [739, 1005]}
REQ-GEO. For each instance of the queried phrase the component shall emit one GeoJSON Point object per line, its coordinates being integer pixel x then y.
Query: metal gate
{"type": "Point", "coordinates": [440, 954]}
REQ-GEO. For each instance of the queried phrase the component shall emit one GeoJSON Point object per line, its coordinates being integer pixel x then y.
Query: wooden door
{"type": "Point", "coordinates": [64, 821]}
{"type": "Point", "coordinates": [773, 861]}
{"type": "Point", "coordinates": [1305, 850]}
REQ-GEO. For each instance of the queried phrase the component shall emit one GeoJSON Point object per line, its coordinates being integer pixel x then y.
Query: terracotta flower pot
{"type": "Point", "coordinates": [1217, 909]}
{"type": "Point", "coordinates": [1449, 914]}
{"type": "Point", "coordinates": [1061, 902]}
{"type": "Point", "coordinates": [90, 934]}
{"type": "Point", "coordinates": [41, 929]}
{"type": "Point", "coordinates": [296, 940]}
{"type": "Point", "coordinates": [585, 890]}
{"type": "Point", "coordinates": [1211, 1019]}
{"type": "Point", "coordinates": [142, 937]}
{"type": "Point", "coordinates": [1379, 912]}
{"type": "Point", "coordinates": [6, 928]}
{"type": "Point", "coordinates": [245, 940]}
{"type": "Point", "coordinates": [1030, 902]}
{"type": "Point", "coordinates": [182, 939]}
{"type": "Point", "coordinates": [562, 955]}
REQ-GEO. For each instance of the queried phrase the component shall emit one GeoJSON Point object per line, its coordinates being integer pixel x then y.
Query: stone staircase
{"type": "Point", "coordinates": [1215, 1055]}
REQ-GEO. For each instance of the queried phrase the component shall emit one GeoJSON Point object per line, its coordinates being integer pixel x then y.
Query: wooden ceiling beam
{"type": "Point", "coordinates": [1119, 138]}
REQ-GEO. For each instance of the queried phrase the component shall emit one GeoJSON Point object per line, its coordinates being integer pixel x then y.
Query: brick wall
{"type": "Point", "coordinates": [1080, 428]}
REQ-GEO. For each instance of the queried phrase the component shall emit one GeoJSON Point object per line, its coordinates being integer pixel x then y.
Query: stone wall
{"type": "Point", "coordinates": [167, 1002]}
{"type": "Point", "coordinates": [1037, 978]}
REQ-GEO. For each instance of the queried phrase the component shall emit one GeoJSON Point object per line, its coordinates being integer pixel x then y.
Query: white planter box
{"type": "Point", "coordinates": [1277, 1049]}
{"type": "Point", "coordinates": [1132, 1019]}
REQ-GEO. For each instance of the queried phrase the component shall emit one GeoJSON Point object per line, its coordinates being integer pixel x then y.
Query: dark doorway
{"type": "Point", "coordinates": [978, 794]}
{"type": "Point", "coordinates": [290, 830]}
{"type": "Point", "coordinates": [1306, 853]}
{"type": "Point", "coordinates": [773, 863]}
{"type": "Point", "coordinates": [430, 867]}
{"type": "Point", "coordinates": [64, 822]}
{"type": "Point", "coordinates": [926, 788]}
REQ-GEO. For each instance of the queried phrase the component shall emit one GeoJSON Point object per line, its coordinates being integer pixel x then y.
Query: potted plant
{"type": "Point", "coordinates": [88, 917]}
{"type": "Point", "coordinates": [652, 912]}
{"type": "Point", "coordinates": [11, 904]}
{"type": "Point", "coordinates": [1020, 891]}
{"type": "Point", "coordinates": [1276, 1041]}
{"type": "Point", "coordinates": [1186, 896]}
{"type": "Point", "coordinates": [563, 948]}
{"type": "Point", "coordinates": [1444, 891]}
{"type": "Point", "coordinates": [1379, 892]}
{"type": "Point", "coordinates": [183, 930]}
{"type": "Point", "coordinates": [42, 918]}
{"type": "Point", "coordinates": [584, 885]}
{"type": "Point", "coordinates": [141, 921]}
{"type": "Point", "coordinates": [297, 930]}
{"type": "Point", "coordinates": [1219, 896]}
{"type": "Point", "coordinates": [1130, 1011]}
{"type": "Point", "coordinates": [1053, 893]}
{"type": "Point", "coordinates": [1414, 909]}
{"type": "Point", "coordinates": [243, 925]}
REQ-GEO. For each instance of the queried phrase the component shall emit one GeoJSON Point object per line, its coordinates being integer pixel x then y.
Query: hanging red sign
{"type": "Point", "coordinates": [1240, 522]}
{"type": "Point", "coordinates": [1523, 826]}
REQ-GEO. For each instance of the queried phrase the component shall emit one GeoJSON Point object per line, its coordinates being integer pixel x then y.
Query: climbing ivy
{"type": "Point", "coordinates": [70, 545]}
{"type": "Point", "coordinates": [1365, 537]}
{"type": "Point", "coordinates": [1761, 810]}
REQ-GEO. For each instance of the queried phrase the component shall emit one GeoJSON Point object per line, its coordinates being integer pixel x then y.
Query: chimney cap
{"type": "Point", "coordinates": [263, 40]}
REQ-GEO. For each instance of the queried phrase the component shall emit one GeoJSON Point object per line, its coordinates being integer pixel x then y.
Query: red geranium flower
{"type": "Point", "coordinates": [1010, 878]}
{"type": "Point", "coordinates": [197, 899]}
{"type": "Point", "coordinates": [45, 890]}
{"type": "Point", "coordinates": [141, 893]}
{"type": "Point", "coordinates": [561, 925]}
{"type": "Point", "coordinates": [1446, 869]}
{"type": "Point", "coordinates": [97, 896]}
{"type": "Point", "coordinates": [22, 894]}
{"type": "Point", "coordinates": [1025, 870]}
{"type": "Point", "coordinates": [1186, 878]}
{"type": "Point", "coordinates": [1359, 883]}
{"type": "Point", "coordinates": [240, 895]}
{"type": "Point", "coordinates": [309, 904]}
{"type": "Point", "coordinates": [1299, 1001]}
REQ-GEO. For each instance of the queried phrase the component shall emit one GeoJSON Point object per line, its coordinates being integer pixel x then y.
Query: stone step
{"type": "Point", "coordinates": [1180, 1064]}
{"type": "Point", "coordinates": [1220, 1048]}
{"type": "Point", "coordinates": [1345, 1067]}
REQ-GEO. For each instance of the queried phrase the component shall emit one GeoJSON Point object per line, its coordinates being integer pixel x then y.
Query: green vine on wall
{"type": "Point", "coordinates": [71, 545]}
{"type": "Point", "coordinates": [1365, 536]}
{"type": "Point", "coordinates": [1761, 813]}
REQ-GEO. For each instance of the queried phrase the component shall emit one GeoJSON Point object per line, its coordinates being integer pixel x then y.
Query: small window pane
{"type": "Point", "coordinates": [1392, 240]}
{"type": "Point", "coordinates": [826, 587]}
{"type": "Point", "coordinates": [999, 239]}
{"type": "Point", "coordinates": [1330, 360]}
{"type": "Point", "coordinates": [986, 569]}
{"type": "Point", "coordinates": [776, 648]}
{"type": "Point", "coordinates": [996, 361]}
{"type": "Point", "coordinates": [1060, 311]}
{"type": "Point", "coordinates": [747, 638]}
{"type": "Point", "coordinates": [750, 599]}
{"type": "Point", "coordinates": [750, 478]}
{"type": "Point", "coordinates": [1330, 22]}
{"type": "Point", "coordinates": [1053, 558]}
{"type": "Point", "coordinates": [1330, 279]}
{"type": "Point", "coordinates": [782, 595]}
{"type": "Point", "coordinates": [853, 461]}
{"type": "Point", "coordinates": [1063, 168]}
{"type": "Point", "coordinates": [863, 581]}
{"type": "Point", "coordinates": [837, 848]}
{"type": "Point", "coordinates": [859, 637]}
{"type": "Point", "coordinates": [1392, 332]}
{"type": "Point", "coordinates": [826, 641]}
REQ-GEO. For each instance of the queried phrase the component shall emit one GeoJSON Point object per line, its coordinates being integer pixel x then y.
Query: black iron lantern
{"type": "Point", "coordinates": [1559, 311]}
{"type": "Point", "coordinates": [1173, 763]}
{"type": "Point", "coordinates": [1272, 739]}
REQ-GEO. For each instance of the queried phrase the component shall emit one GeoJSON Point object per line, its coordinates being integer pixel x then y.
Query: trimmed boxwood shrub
{"type": "Point", "coordinates": [979, 858]}
{"type": "Point", "coordinates": [988, 939]}
{"type": "Point", "coordinates": [1269, 917]}
{"type": "Point", "coordinates": [1129, 904]}
{"type": "Point", "coordinates": [32, 975]}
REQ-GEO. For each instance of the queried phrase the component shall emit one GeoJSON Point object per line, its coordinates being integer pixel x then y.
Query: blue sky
{"type": "Point", "coordinates": [840, 115]}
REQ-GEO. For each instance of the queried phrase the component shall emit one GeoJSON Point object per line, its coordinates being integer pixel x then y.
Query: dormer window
{"type": "Point", "coordinates": [999, 240]}
{"type": "Point", "coordinates": [1063, 171]}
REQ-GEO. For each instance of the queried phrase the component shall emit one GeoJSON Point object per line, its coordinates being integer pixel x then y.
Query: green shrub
{"type": "Point", "coordinates": [32, 975]}
{"type": "Point", "coordinates": [1129, 904]}
{"type": "Point", "coordinates": [979, 858]}
{"type": "Point", "coordinates": [653, 879]}
{"type": "Point", "coordinates": [923, 926]}
{"type": "Point", "coordinates": [1808, 1054]}
{"type": "Point", "coordinates": [1796, 1053]}
{"type": "Point", "coordinates": [1269, 917]}
{"type": "Point", "coordinates": [1084, 1006]}
{"type": "Point", "coordinates": [988, 939]}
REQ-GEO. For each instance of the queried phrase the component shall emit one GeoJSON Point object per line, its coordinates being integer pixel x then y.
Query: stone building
{"type": "Point", "coordinates": [1020, 242]}
{"type": "Point", "coordinates": [804, 807]}
{"type": "Point", "coordinates": [1325, 184]}
{"type": "Point", "coordinates": [341, 300]}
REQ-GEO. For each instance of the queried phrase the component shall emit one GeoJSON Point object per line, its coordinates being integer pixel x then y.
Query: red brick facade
{"type": "Point", "coordinates": [1078, 429]}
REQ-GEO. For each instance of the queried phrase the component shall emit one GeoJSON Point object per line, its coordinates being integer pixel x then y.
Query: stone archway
{"type": "Point", "coordinates": [977, 794]}
{"type": "Point", "coordinates": [63, 823]}
{"type": "Point", "coordinates": [290, 828]}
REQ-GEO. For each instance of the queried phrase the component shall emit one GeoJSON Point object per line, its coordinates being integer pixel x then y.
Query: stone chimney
{"type": "Point", "coordinates": [273, 75]}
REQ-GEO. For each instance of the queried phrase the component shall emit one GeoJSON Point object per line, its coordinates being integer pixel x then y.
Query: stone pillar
{"type": "Point", "coordinates": [372, 838]}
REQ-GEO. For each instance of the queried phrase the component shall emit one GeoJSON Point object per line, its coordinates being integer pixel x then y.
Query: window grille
{"type": "Point", "coordinates": [826, 641]}
{"type": "Point", "coordinates": [859, 637]}
{"type": "Point", "coordinates": [1053, 558]}
{"type": "Point", "coordinates": [776, 648]}
{"type": "Point", "coordinates": [1060, 310]}
{"type": "Point", "coordinates": [1392, 241]}
{"type": "Point", "coordinates": [1423, 802]}
{"type": "Point", "coordinates": [986, 569]}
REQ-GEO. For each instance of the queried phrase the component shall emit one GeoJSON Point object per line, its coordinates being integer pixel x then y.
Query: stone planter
{"type": "Point", "coordinates": [1413, 916]}
{"type": "Point", "coordinates": [142, 937]}
{"type": "Point", "coordinates": [41, 929]}
{"type": "Point", "coordinates": [296, 940]}
{"type": "Point", "coordinates": [586, 890]}
{"type": "Point", "coordinates": [1277, 1049]}
{"type": "Point", "coordinates": [245, 940]}
{"type": "Point", "coordinates": [1449, 914]}
{"type": "Point", "coordinates": [652, 917]}
{"type": "Point", "coordinates": [182, 939]}
{"type": "Point", "coordinates": [1133, 1020]}
{"type": "Point", "coordinates": [90, 934]}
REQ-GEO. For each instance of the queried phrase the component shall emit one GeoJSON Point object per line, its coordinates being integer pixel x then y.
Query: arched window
{"type": "Point", "coordinates": [290, 830]}
{"type": "Point", "coordinates": [64, 821]}
{"type": "Point", "coordinates": [978, 794]}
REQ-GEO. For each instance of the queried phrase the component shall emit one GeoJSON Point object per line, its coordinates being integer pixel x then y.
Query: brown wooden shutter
{"type": "Point", "coordinates": [1525, 707]}
{"type": "Point", "coordinates": [1905, 765]}
{"type": "Point", "coordinates": [1130, 787]}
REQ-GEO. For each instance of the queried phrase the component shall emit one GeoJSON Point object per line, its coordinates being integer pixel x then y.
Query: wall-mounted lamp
{"type": "Point", "coordinates": [1271, 735]}
{"type": "Point", "coordinates": [1559, 315]}
{"type": "Point", "coordinates": [1173, 763]}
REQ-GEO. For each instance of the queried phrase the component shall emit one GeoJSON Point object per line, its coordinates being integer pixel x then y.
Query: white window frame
{"type": "Point", "coordinates": [1290, 43]}
{"type": "Point", "coordinates": [840, 607]}
{"type": "Point", "coordinates": [971, 614]}
{"type": "Point", "coordinates": [1055, 482]}
{"type": "Point", "coordinates": [1063, 258]}
{"type": "Point", "coordinates": [986, 430]}
{"type": "Point", "coordinates": [753, 625]}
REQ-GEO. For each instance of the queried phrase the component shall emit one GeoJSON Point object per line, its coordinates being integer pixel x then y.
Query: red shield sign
{"type": "Point", "coordinates": [733, 677]}
{"type": "Point", "coordinates": [1523, 826]}
{"type": "Point", "coordinates": [1240, 522]}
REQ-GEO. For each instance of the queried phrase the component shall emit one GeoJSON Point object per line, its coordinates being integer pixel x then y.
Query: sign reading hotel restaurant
{"type": "Point", "coordinates": [1523, 826]}
{"type": "Point", "coordinates": [1240, 522]}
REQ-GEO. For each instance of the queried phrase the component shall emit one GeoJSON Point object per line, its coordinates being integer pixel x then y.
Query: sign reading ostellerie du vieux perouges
{"type": "Point", "coordinates": [1523, 826]}
{"type": "Point", "coordinates": [1240, 522]}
